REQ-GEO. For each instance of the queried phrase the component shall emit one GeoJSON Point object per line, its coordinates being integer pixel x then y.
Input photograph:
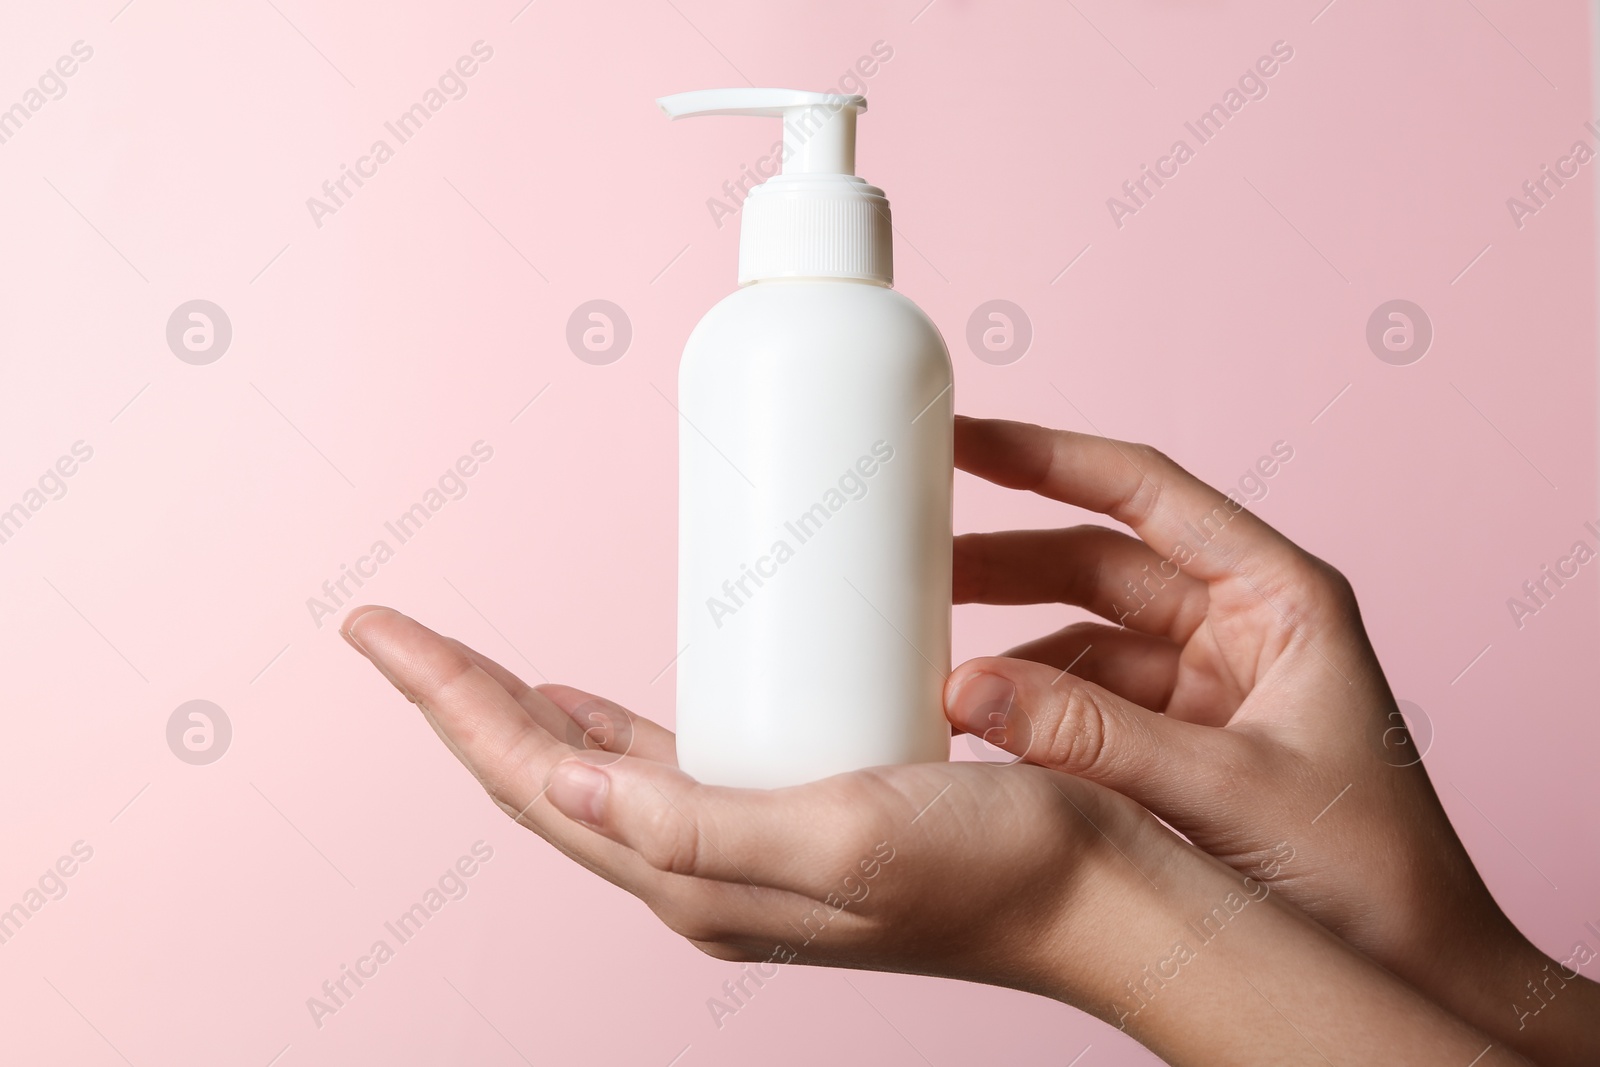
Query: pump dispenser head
{"type": "Point", "coordinates": [815, 219]}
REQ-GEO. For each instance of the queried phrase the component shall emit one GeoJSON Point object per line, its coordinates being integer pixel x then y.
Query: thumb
{"type": "Point", "coordinates": [793, 839]}
{"type": "Point", "coordinates": [1056, 720]}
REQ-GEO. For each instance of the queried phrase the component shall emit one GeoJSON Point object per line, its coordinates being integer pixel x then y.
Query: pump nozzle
{"type": "Point", "coordinates": [819, 129]}
{"type": "Point", "coordinates": [814, 219]}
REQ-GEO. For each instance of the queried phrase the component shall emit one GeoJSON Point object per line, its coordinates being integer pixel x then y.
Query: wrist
{"type": "Point", "coordinates": [1126, 930]}
{"type": "Point", "coordinates": [1203, 965]}
{"type": "Point", "coordinates": [1543, 1007]}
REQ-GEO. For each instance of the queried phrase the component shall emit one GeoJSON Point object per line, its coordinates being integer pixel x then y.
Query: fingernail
{"type": "Point", "coordinates": [350, 640]}
{"type": "Point", "coordinates": [982, 703]}
{"type": "Point", "coordinates": [578, 791]}
{"type": "Point", "coordinates": [347, 629]}
{"type": "Point", "coordinates": [351, 632]}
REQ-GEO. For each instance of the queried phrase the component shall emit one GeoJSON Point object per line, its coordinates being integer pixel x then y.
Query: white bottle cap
{"type": "Point", "coordinates": [816, 219]}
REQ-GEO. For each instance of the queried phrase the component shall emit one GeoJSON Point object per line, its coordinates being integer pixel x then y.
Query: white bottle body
{"type": "Point", "coordinates": [815, 470]}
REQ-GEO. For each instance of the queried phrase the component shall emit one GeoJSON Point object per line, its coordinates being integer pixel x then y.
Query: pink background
{"type": "Point", "coordinates": [369, 353]}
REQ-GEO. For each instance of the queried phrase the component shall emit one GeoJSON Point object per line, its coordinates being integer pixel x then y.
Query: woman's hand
{"type": "Point", "coordinates": [1238, 698]}
{"type": "Point", "coordinates": [964, 870]}
{"type": "Point", "coordinates": [1017, 876]}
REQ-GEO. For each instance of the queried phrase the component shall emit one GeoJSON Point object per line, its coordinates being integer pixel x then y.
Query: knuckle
{"type": "Point", "coordinates": [729, 952]}
{"type": "Point", "coordinates": [668, 841]}
{"type": "Point", "coordinates": [856, 805]}
{"type": "Point", "coordinates": [1074, 738]}
{"type": "Point", "coordinates": [517, 813]}
{"type": "Point", "coordinates": [1152, 455]}
{"type": "Point", "coordinates": [507, 771]}
{"type": "Point", "coordinates": [693, 921]}
{"type": "Point", "coordinates": [1082, 631]}
{"type": "Point", "coordinates": [449, 666]}
{"type": "Point", "coordinates": [1142, 495]}
{"type": "Point", "coordinates": [1316, 585]}
{"type": "Point", "coordinates": [1336, 584]}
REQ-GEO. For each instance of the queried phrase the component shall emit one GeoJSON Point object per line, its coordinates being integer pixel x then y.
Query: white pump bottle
{"type": "Point", "coordinates": [815, 470]}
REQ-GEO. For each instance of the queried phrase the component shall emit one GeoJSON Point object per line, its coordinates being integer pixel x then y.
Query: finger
{"type": "Point", "coordinates": [796, 839]}
{"type": "Point", "coordinates": [1198, 529]}
{"type": "Point", "coordinates": [602, 724]}
{"type": "Point", "coordinates": [494, 735]}
{"type": "Point", "coordinates": [484, 725]}
{"type": "Point", "coordinates": [738, 921]}
{"type": "Point", "coordinates": [469, 701]}
{"type": "Point", "coordinates": [1117, 577]}
{"type": "Point", "coordinates": [582, 720]}
{"type": "Point", "coordinates": [1075, 726]}
{"type": "Point", "coordinates": [539, 708]}
{"type": "Point", "coordinates": [1140, 669]}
